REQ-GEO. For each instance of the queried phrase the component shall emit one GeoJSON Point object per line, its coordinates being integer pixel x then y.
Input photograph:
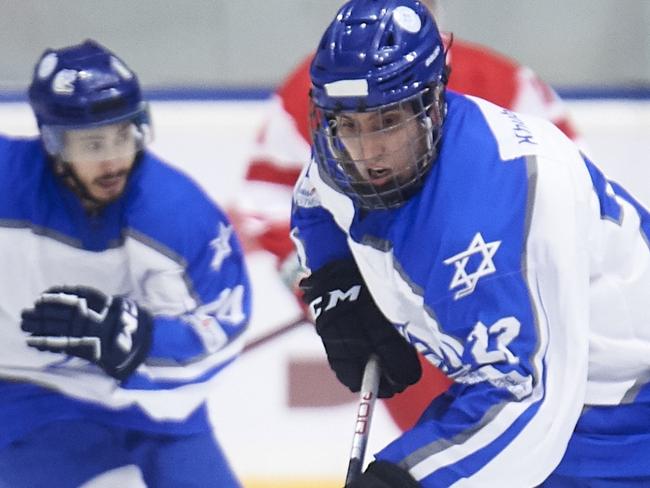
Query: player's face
{"type": "Point", "coordinates": [102, 158]}
{"type": "Point", "coordinates": [384, 145]}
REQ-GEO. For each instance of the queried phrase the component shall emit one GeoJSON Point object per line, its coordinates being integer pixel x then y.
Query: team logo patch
{"type": "Point", "coordinates": [305, 195]}
{"type": "Point", "coordinates": [467, 279]}
{"type": "Point", "coordinates": [407, 19]}
{"type": "Point", "coordinates": [63, 82]}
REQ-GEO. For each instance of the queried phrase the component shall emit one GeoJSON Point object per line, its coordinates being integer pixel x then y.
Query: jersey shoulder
{"type": "Point", "coordinates": [474, 200]}
{"type": "Point", "coordinates": [513, 134]}
{"type": "Point", "coordinates": [22, 165]}
{"type": "Point", "coordinates": [20, 155]}
{"type": "Point", "coordinates": [169, 207]}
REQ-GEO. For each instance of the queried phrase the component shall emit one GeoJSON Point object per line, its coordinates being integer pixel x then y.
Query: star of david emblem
{"type": "Point", "coordinates": [221, 246]}
{"type": "Point", "coordinates": [468, 280]}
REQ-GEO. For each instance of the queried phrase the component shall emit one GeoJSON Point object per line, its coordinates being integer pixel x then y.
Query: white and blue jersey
{"type": "Point", "coordinates": [524, 274]}
{"type": "Point", "coordinates": [165, 245]}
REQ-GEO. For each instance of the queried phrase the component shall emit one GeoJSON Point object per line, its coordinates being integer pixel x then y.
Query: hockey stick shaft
{"type": "Point", "coordinates": [275, 333]}
{"type": "Point", "coordinates": [367, 397]}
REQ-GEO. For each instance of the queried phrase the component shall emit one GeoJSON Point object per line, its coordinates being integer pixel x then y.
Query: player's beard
{"type": "Point", "coordinates": [110, 185]}
{"type": "Point", "coordinates": [90, 201]}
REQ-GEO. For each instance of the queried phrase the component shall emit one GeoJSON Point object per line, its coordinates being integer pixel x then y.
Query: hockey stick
{"type": "Point", "coordinates": [367, 397]}
{"type": "Point", "coordinates": [277, 332]}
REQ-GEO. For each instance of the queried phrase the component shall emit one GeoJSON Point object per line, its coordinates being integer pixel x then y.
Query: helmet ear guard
{"type": "Point", "coordinates": [52, 142]}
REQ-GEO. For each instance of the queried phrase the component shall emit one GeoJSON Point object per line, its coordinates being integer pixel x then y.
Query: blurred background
{"type": "Point", "coordinates": [572, 44]}
{"type": "Point", "coordinates": [209, 65]}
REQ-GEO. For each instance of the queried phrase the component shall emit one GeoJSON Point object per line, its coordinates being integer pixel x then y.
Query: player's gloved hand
{"type": "Point", "coordinates": [352, 327]}
{"type": "Point", "coordinates": [112, 332]}
{"type": "Point", "coordinates": [382, 474]}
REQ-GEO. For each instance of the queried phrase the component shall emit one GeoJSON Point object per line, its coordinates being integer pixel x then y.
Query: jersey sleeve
{"type": "Point", "coordinates": [521, 371]}
{"type": "Point", "coordinates": [199, 294]}
{"type": "Point", "coordinates": [317, 238]}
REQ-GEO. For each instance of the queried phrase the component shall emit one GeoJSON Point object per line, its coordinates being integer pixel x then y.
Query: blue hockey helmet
{"type": "Point", "coordinates": [85, 86]}
{"type": "Point", "coordinates": [381, 57]}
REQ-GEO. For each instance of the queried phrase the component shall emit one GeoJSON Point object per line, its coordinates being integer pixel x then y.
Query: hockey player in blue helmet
{"type": "Point", "coordinates": [402, 96]}
{"type": "Point", "coordinates": [485, 239]}
{"type": "Point", "coordinates": [92, 119]}
{"type": "Point", "coordinates": [132, 295]}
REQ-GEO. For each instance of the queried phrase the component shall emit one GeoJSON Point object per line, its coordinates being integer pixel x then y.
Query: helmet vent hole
{"type": "Point", "coordinates": [390, 39]}
{"type": "Point", "coordinates": [106, 106]}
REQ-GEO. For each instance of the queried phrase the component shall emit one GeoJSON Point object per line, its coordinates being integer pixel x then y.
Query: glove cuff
{"type": "Point", "coordinates": [341, 273]}
{"type": "Point", "coordinates": [142, 340]}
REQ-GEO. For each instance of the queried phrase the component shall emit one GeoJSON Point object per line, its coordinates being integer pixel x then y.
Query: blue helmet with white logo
{"type": "Point", "coordinates": [379, 58]}
{"type": "Point", "coordinates": [84, 86]}
{"type": "Point", "coordinates": [376, 52]}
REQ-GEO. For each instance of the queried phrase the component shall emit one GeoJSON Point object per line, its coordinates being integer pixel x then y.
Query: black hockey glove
{"type": "Point", "coordinates": [382, 474]}
{"type": "Point", "coordinates": [112, 332]}
{"type": "Point", "coordinates": [352, 327]}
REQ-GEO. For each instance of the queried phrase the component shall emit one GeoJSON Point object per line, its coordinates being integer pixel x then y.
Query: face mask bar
{"type": "Point", "coordinates": [379, 157]}
{"type": "Point", "coordinates": [114, 139]}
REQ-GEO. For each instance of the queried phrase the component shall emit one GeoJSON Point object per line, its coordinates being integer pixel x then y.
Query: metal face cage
{"type": "Point", "coordinates": [379, 157]}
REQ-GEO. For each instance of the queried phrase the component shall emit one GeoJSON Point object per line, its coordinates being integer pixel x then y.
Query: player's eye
{"type": "Point", "coordinates": [391, 119]}
{"type": "Point", "coordinates": [346, 126]}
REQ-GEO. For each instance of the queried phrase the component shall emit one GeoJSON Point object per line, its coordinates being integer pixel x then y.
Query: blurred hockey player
{"type": "Point", "coordinates": [124, 290]}
{"type": "Point", "coordinates": [485, 240]}
{"type": "Point", "coordinates": [282, 149]}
